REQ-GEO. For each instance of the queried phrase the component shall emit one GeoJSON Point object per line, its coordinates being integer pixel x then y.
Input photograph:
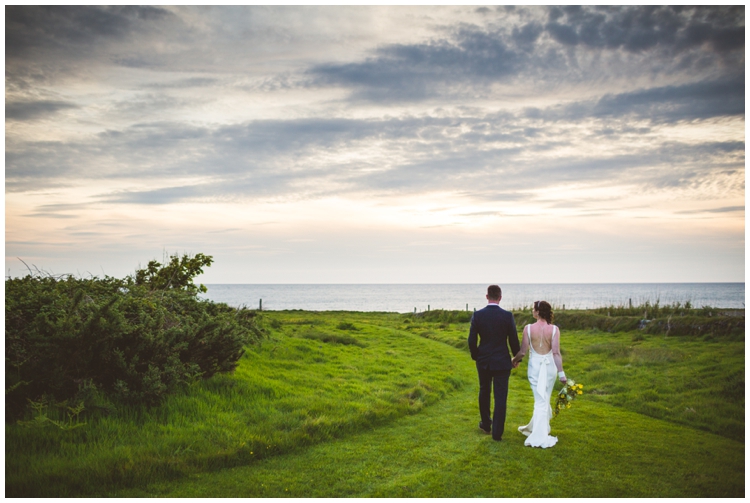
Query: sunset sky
{"type": "Point", "coordinates": [378, 144]}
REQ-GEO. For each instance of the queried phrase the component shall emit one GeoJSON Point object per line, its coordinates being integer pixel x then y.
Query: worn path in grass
{"type": "Point", "coordinates": [603, 451]}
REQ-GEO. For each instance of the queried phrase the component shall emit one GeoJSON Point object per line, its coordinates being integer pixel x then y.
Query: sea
{"type": "Point", "coordinates": [404, 298]}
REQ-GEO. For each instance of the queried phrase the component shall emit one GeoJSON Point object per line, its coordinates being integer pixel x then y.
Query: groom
{"type": "Point", "coordinates": [496, 329]}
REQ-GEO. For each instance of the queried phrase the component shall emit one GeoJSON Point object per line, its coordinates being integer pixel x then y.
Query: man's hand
{"type": "Point", "coordinates": [515, 363]}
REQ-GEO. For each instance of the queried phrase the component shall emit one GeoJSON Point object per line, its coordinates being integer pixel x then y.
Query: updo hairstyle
{"type": "Point", "coordinates": [545, 310]}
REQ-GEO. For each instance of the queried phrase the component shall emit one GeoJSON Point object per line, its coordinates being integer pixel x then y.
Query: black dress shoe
{"type": "Point", "coordinates": [483, 430]}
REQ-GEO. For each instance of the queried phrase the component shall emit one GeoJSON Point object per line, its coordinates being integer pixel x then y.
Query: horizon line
{"type": "Point", "coordinates": [500, 284]}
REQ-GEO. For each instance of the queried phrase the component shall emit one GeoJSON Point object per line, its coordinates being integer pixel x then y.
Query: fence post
{"type": "Point", "coordinates": [428, 307]}
{"type": "Point", "coordinates": [260, 306]}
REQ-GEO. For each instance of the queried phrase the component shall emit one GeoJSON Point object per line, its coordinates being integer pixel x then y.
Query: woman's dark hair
{"type": "Point", "coordinates": [545, 310]}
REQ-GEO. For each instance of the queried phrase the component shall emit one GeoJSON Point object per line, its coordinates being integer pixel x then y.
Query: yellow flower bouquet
{"type": "Point", "coordinates": [566, 395]}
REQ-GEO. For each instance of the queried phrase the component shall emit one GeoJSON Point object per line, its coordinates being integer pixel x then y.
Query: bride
{"type": "Point", "coordinates": [543, 340]}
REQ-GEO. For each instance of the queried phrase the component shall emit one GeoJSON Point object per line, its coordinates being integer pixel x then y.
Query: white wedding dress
{"type": "Point", "coordinates": [542, 374]}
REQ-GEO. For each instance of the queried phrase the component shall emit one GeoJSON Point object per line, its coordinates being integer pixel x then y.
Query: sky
{"type": "Point", "coordinates": [425, 144]}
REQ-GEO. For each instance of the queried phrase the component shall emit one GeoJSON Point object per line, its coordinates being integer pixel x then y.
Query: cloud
{"type": "Point", "coordinates": [45, 43]}
{"type": "Point", "coordinates": [42, 214]}
{"type": "Point", "coordinates": [723, 209]}
{"type": "Point", "coordinates": [184, 83]}
{"type": "Point", "coordinates": [164, 134]}
{"type": "Point", "coordinates": [470, 58]}
{"type": "Point", "coordinates": [159, 196]}
{"type": "Point", "coordinates": [673, 103]}
{"type": "Point", "coordinates": [24, 110]}
{"type": "Point", "coordinates": [641, 28]}
{"type": "Point", "coordinates": [62, 210]}
{"type": "Point", "coordinates": [481, 155]}
{"type": "Point", "coordinates": [414, 72]}
{"type": "Point", "coordinates": [31, 30]}
{"type": "Point", "coordinates": [699, 100]}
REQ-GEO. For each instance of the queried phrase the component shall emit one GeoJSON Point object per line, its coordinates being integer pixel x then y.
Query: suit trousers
{"type": "Point", "coordinates": [498, 378]}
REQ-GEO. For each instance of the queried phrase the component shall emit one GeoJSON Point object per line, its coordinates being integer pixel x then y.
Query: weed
{"type": "Point", "coordinates": [41, 416]}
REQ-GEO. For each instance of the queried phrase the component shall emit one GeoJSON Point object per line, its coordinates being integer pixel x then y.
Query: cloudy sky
{"type": "Point", "coordinates": [378, 144]}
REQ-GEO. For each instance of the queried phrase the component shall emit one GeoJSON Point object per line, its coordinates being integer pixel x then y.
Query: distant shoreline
{"type": "Point", "coordinates": [412, 297]}
{"type": "Point", "coordinates": [479, 284]}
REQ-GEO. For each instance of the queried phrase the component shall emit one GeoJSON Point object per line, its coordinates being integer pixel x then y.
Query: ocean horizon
{"type": "Point", "coordinates": [402, 298]}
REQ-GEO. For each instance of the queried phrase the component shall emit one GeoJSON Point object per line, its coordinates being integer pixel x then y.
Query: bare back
{"type": "Point", "coordinates": [541, 337]}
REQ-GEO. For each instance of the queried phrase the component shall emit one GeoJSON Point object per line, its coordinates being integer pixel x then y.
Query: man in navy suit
{"type": "Point", "coordinates": [496, 329]}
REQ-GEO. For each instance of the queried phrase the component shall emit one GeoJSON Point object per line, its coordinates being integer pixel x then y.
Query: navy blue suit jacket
{"type": "Point", "coordinates": [496, 328]}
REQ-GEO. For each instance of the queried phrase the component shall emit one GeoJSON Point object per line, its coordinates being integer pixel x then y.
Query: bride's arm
{"type": "Point", "coordinates": [524, 347]}
{"type": "Point", "coordinates": [557, 356]}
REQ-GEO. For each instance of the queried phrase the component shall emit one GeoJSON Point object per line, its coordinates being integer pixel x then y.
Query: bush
{"type": "Point", "coordinates": [713, 327]}
{"type": "Point", "coordinates": [178, 274]}
{"type": "Point", "coordinates": [445, 316]}
{"type": "Point", "coordinates": [65, 337]}
{"type": "Point", "coordinates": [731, 328]}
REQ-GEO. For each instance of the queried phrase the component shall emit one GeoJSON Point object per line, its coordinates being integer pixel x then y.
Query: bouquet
{"type": "Point", "coordinates": [566, 395]}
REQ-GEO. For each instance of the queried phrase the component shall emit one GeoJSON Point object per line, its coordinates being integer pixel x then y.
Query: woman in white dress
{"type": "Point", "coordinates": [542, 339]}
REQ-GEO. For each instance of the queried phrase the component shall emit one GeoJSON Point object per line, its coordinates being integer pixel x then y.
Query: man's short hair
{"type": "Point", "coordinates": [494, 292]}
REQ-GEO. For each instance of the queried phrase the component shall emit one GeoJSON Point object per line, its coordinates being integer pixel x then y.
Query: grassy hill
{"type": "Point", "coordinates": [383, 404]}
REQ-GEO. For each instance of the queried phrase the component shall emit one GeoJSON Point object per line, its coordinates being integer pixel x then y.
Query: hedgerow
{"type": "Point", "coordinates": [132, 340]}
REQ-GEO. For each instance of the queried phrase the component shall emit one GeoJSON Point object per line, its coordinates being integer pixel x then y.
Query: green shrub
{"type": "Point", "coordinates": [177, 274]}
{"type": "Point", "coordinates": [440, 315]}
{"type": "Point", "coordinates": [69, 337]}
{"type": "Point", "coordinates": [707, 323]}
{"type": "Point", "coordinates": [731, 328]}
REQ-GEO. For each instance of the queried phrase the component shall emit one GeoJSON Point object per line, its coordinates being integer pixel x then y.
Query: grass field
{"type": "Point", "coordinates": [379, 404]}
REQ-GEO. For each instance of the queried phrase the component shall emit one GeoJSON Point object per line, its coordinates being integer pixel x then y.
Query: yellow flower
{"type": "Point", "coordinates": [580, 392]}
{"type": "Point", "coordinates": [567, 406]}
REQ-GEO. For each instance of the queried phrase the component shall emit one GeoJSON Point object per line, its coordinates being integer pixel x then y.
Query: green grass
{"type": "Point", "coordinates": [378, 404]}
{"type": "Point", "coordinates": [603, 451]}
{"type": "Point", "coordinates": [309, 384]}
